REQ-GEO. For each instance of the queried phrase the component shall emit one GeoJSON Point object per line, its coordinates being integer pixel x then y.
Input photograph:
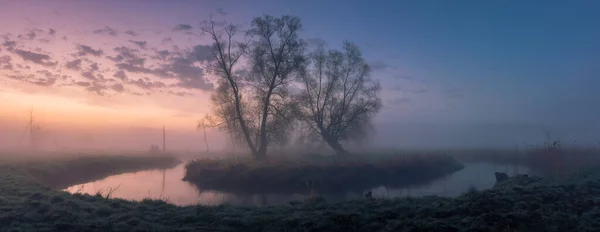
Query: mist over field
{"type": "Point", "coordinates": [299, 115]}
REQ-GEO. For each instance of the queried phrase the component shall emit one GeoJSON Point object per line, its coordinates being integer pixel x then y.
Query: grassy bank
{"type": "Point", "coordinates": [520, 204]}
{"type": "Point", "coordinates": [320, 174]}
{"type": "Point", "coordinates": [546, 161]}
{"type": "Point", "coordinates": [61, 172]}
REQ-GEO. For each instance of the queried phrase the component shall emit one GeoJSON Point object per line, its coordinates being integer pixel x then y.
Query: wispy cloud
{"type": "Point", "coordinates": [130, 66]}
{"type": "Point", "coordinates": [379, 65]}
{"type": "Point", "coordinates": [106, 31]}
{"type": "Point", "coordinates": [38, 58]}
{"type": "Point", "coordinates": [87, 50]}
{"type": "Point", "coordinates": [183, 27]}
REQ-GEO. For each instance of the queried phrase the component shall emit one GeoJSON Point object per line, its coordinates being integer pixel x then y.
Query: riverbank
{"type": "Point", "coordinates": [59, 172]}
{"type": "Point", "coordinates": [317, 174]}
{"type": "Point", "coordinates": [519, 204]}
{"type": "Point", "coordinates": [545, 161]}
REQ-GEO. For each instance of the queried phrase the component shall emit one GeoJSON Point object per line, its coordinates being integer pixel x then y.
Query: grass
{"type": "Point", "coordinates": [519, 204]}
{"type": "Point", "coordinates": [323, 174]}
{"type": "Point", "coordinates": [61, 172]}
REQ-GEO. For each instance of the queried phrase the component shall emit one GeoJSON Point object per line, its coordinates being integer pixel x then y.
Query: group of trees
{"type": "Point", "coordinates": [268, 83]}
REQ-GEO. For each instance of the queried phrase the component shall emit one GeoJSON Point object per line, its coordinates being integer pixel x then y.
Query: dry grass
{"type": "Point", "coordinates": [63, 171]}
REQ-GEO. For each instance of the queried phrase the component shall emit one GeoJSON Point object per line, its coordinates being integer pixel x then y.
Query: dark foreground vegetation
{"type": "Point", "coordinates": [318, 174]}
{"type": "Point", "coordinates": [63, 172]}
{"type": "Point", "coordinates": [518, 204]}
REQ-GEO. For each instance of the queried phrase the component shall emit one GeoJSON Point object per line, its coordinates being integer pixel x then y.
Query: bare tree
{"type": "Point", "coordinates": [255, 104]}
{"type": "Point", "coordinates": [276, 56]}
{"type": "Point", "coordinates": [207, 122]}
{"type": "Point", "coordinates": [228, 95]}
{"type": "Point", "coordinates": [339, 98]}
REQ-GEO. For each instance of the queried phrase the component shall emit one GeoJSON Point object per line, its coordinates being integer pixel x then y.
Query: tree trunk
{"type": "Point", "coordinates": [334, 144]}
{"type": "Point", "coordinates": [337, 147]}
{"type": "Point", "coordinates": [238, 109]}
{"type": "Point", "coordinates": [262, 149]}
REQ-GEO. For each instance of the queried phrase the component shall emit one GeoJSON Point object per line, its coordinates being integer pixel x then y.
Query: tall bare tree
{"type": "Point", "coordinates": [228, 94]}
{"type": "Point", "coordinates": [339, 98]}
{"type": "Point", "coordinates": [274, 58]}
{"type": "Point", "coordinates": [277, 55]}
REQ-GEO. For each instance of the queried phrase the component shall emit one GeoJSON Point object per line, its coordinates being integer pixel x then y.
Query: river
{"type": "Point", "coordinates": [167, 185]}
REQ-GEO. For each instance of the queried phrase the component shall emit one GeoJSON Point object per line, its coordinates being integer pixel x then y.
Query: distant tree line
{"type": "Point", "coordinates": [269, 84]}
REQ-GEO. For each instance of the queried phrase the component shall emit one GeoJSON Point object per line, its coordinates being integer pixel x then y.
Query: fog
{"type": "Point", "coordinates": [14, 135]}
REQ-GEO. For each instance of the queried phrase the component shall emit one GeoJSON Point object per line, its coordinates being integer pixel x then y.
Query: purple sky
{"type": "Point", "coordinates": [457, 74]}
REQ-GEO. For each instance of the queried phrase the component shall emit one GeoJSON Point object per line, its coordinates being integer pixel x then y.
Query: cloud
{"type": "Point", "coordinates": [82, 83]}
{"type": "Point", "coordinates": [38, 58]}
{"type": "Point", "coordinates": [183, 27]}
{"type": "Point", "coordinates": [179, 93]}
{"type": "Point", "coordinates": [74, 65]}
{"type": "Point", "coordinates": [119, 88]}
{"type": "Point", "coordinates": [413, 91]}
{"type": "Point", "coordinates": [129, 56]}
{"type": "Point", "coordinates": [221, 11]}
{"type": "Point", "coordinates": [87, 50]}
{"type": "Point", "coordinates": [379, 65]}
{"type": "Point", "coordinates": [6, 62]}
{"type": "Point", "coordinates": [162, 54]}
{"type": "Point", "coordinates": [141, 44]}
{"type": "Point", "coordinates": [184, 69]}
{"type": "Point", "coordinates": [166, 40]}
{"type": "Point", "coordinates": [181, 65]}
{"type": "Point", "coordinates": [131, 33]}
{"type": "Point", "coordinates": [121, 75]}
{"type": "Point", "coordinates": [141, 69]}
{"type": "Point", "coordinates": [51, 31]}
{"type": "Point", "coordinates": [45, 80]}
{"type": "Point", "coordinates": [403, 77]}
{"type": "Point", "coordinates": [194, 83]}
{"type": "Point", "coordinates": [148, 84]}
{"type": "Point", "coordinates": [21, 77]}
{"type": "Point", "coordinates": [27, 67]}
{"type": "Point", "coordinates": [89, 75]}
{"type": "Point", "coordinates": [47, 73]}
{"type": "Point", "coordinates": [96, 88]}
{"type": "Point", "coordinates": [106, 31]}
{"type": "Point", "coordinates": [94, 67]}
{"type": "Point", "coordinates": [48, 81]}
{"type": "Point", "coordinates": [9, 44]}
{"type": "Point", "coordinates": [31, 35]}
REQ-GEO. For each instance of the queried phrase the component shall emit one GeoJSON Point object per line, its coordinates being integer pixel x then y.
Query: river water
{"type": "Point", "coordinates": [167, 185]}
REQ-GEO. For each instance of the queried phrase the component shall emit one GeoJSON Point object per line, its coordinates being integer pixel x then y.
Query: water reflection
{"type": "Point", "coordinates": [167, 185]}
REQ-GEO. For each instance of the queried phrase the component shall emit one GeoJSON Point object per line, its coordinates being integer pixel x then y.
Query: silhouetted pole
{"type": "Point", "coordinates": [164, 142]}
{"type": "Point", "coordinates": [32, 138]}
{"type": "Point", "coordinates": [205, 141]}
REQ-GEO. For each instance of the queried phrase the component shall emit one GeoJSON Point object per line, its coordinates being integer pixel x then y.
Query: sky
{"type": "Point", "coordinates": [454, 73]}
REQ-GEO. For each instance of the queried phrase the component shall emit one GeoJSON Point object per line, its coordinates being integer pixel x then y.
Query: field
{"type": "Point", "coordinates": [28, 203]}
